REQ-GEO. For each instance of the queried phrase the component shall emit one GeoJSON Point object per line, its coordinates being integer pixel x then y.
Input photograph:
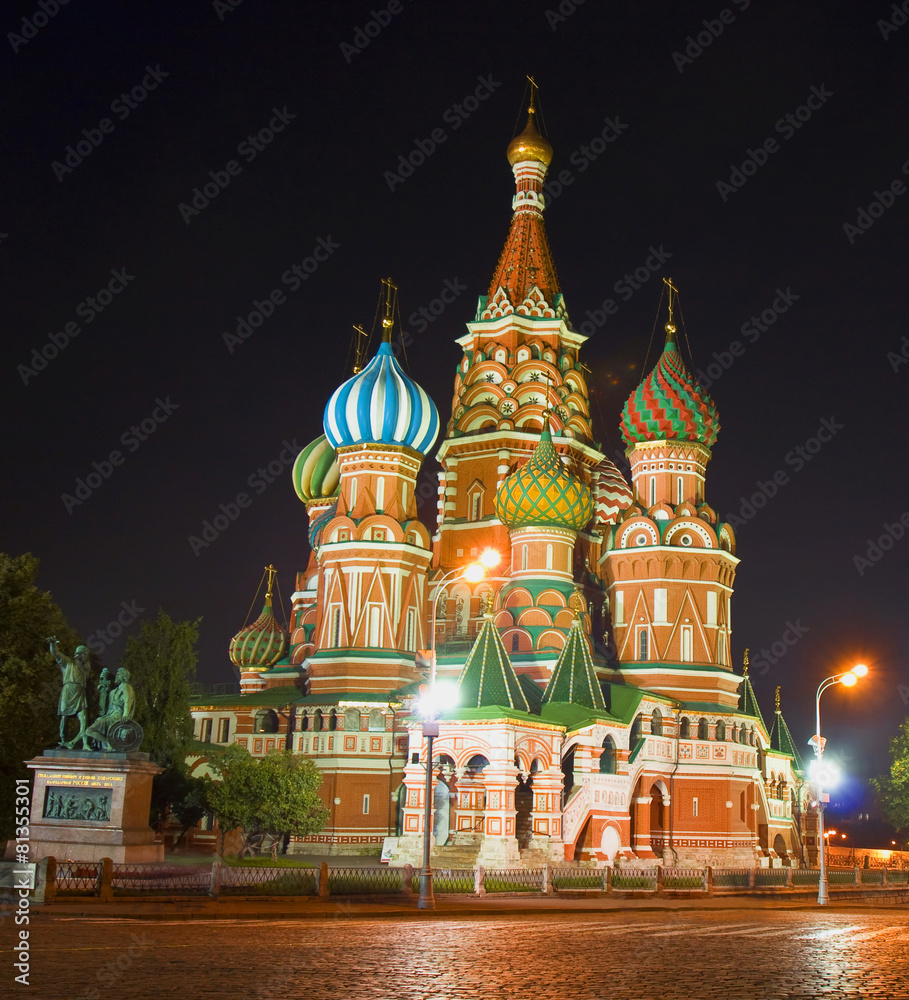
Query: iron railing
{"type": "Point", "coordinates": [268, 881]}
{"type": "Point", "coordinates": [155, 880]}
{"type": "Point", "coordinates": [514, 879]}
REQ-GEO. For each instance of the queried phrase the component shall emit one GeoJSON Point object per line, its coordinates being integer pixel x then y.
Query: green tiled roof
{"type": "Point", "coordinates": [573, 679]}
{"type": "Point", "coordinates": [781, 739]}
{"type": "Point", "coordinates": [573, 717]}
{"type": "Point", "coordinates": [284, 694]}
{"type": "Point", "coordinates": [488, 678]}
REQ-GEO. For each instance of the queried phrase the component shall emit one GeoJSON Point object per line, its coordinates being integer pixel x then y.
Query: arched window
{"type": "Point", "coordinates": [317, 721]}
{"type": "Point", "coordinates": [477, 764]}
{"type": "Point", "coordinates": [332, 721]}
{"type": "Point", "coordinates": [721, 730]}
{"type": "Point", "coordinates": [656, 722]}
{"type": "Point", "coordinates": [523, 557]}
{"type": "Point", "coordinates": [548, 557]}
{"type": "Point", "coordinates": [735, 733]}
{"type": "Point", "coordinates": [743, 735]}
{"type": "Point", "coordinates": [637, 730]}
{"type": "Point", "coordinates": [266, 721]}
{"type": "Point", "coordinates": [304, 723]}
{"type": "Point", "coordinates": [652, 490]}
{"type": "Point", "coordinates": [680, 483]}
{"type": "Point", "coordinates": [703, 729]}
{"type": "Point", "coordinates": [515, 642]}
{"type": "Point", "coordinates": [608, 758]}
{"type": "Point", "coordinates": [684, 728]}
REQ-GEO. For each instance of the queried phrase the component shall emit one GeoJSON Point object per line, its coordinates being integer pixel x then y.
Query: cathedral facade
{"type": "Point", "coordinates": [594, 712]}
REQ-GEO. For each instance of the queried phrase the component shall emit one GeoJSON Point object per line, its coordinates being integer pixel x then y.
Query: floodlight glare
{"type": "Point", "coordinates": [475, 572]}
{"type": "Point", "coordinates": [824, 774]}
{"type": "Point", "coordinates": [490, 558]}
{"type": "Point", "coordinates": [849, 680]}
{"type": "Point", "coordinates": [859, 670]}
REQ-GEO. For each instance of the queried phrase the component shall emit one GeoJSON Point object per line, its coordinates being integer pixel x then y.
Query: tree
{"type": "Point", "coordinates": [181, 795]}
{"type": "Point", "coordinates": [893, 788]}
{"type": "Point", "coordinates": [29, 678]}
{"type": "Point", "coordinates": [161, 661]}
{"type": "Point", "coordinates": [276, 794]}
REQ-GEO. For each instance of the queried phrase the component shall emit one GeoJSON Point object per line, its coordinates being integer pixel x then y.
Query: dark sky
{"type": "Point", "coordinates": [219, 74]}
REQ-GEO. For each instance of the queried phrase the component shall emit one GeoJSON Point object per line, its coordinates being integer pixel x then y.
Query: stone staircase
{"type": "Point", "coordinates": [455, 856]}
{"type": "Point", "coordinates": [533, 857]}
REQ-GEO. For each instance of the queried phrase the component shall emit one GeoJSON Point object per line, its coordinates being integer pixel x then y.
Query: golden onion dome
{"type": "Point", "coordinates": [529, 145]}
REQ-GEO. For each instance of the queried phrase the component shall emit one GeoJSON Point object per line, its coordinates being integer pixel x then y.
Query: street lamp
{"type": "Point", "coordinates": [430, 707]}
{"type": "Point", "coordinates": [822, 774]}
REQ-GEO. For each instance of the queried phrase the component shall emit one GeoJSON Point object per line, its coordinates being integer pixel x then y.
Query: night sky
{"type": "Point", "coordinates": [738, 151]}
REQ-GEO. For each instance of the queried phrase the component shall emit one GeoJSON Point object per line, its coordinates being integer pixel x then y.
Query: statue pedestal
{"type": "Point", "coordinates": [92, 805]}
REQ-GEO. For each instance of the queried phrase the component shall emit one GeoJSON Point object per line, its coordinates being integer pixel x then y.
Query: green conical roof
{"type": "Point", "coordinates": [747, 701]}
{"type": "Point", "coordinates": [573, 679]}
{"type": "Point", "coordinates": [488, 678]}
{"type": "Point", "coordinates": [780, 737]}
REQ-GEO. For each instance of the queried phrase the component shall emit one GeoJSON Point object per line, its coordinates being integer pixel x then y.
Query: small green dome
{"type": "Point", "coordinates": [544, 493]}
{"type": "Point", "coordinates": [315, 473]}
{"type": "Point", "coordinates": [260, 645]}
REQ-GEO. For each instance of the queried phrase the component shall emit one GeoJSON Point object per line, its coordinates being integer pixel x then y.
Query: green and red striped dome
{"type": "Point", "coordinates": [670, 404]}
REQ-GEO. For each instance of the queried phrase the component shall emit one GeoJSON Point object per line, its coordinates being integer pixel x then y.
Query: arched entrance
{"type": "Point", "coordinates": [523, 805]}
{"type": "Point", "coordinates": [567, 775]}
{"type": "Point", "coordinates": [657, 820]}
{"type": "Point", "coordinates": [779, 846]}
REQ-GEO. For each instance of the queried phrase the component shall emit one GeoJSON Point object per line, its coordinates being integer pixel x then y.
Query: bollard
{"type": "Point", "coordinates": [789, 882]}
{"type": "Point", "coordinates": [479, 881]}
{"type": "Point", "coordinates": [214, 885]}
{"type": "Point", "coordinates": [323, 879]}
{"type": "Point", "coordinates": [408, 880]}
{"type": "Point", "coordinates": [660, 891]}
{"type": "Point", "coordinates": [547, 878]}
{"type": "Point", "coordinates": [708, 879]}
{"type": "Point", "coordinates": [751, 879]}
{"type": "Point", "coordinates": [105, 886]}
{"type": "Point", "coordinates": [607, 880]}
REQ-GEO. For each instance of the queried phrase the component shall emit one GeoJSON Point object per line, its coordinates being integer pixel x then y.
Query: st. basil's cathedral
{"type": "Point", "coordinates": [594, 713]}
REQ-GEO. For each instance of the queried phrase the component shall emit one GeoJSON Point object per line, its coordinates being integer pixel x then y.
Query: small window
{"type": "Point", "coordinates": [656, 722]}
{"type": "Point", "coordinates": [475, 502]}
{"type": "Point", "coordinates": [721, 731]}
{"type": "Point", "coordinates": [365, 805]}
{"type": "Point", "coordinates": [694, 805]}
{"type": "Point", "coordinates": [703, 730]}
{"type": "Point", "coordinates": [643, 645]}
{"type": "Point", "coordinates": [680, 489]}
{"type": "Point", "coordinates": [223, 730]}
{"type": "Point", "coordinates": [515, 642]}
{"type": "Point", "coordinates": [685, 729]}
{"type": "Point", "coordinates": [206, 730]}
{"type": "Point", "coordinates": [608, 761]}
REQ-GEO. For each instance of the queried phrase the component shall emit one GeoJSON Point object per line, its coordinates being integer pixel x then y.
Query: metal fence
{"type": "Point", "coordinates": [78, 878]}
{"type": "Point", "coordinates": [266, 881]}
{"type": "Point", "coordinates": [107, 880]}
{"type": "Point", "coordinates": [155, 880]}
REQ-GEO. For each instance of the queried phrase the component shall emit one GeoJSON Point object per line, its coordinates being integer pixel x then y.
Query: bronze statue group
{"type": "Point", "coordinates": [113, 729]}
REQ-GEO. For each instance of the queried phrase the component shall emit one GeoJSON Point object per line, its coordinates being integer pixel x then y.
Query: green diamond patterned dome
{"type": "Point", "coordinates": [544, 493]}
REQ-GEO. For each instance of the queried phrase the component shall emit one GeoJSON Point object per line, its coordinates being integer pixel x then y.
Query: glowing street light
{"type": "Point", "coordinates": [824, 775]}
{"type": "Point", "coordinates": [430, 706]}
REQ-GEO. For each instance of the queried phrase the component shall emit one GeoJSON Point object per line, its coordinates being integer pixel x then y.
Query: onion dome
{"type": "Point", "coordinates": [529, 145]}
{"type": "Point", "coordinates": [611, 492]}
{"type": "Point", "coordinates": [319, 523]}
{"type": "Point", "coordinates": [669, 404]}
{"type": "Point", "coordinates": [260, 645]}
{"type": "Point", "coordinates": [381, 405]}
{"type": "Point", "coordinates": [315, 473]}
{"type": "Point", "coordinates": [543, 492]}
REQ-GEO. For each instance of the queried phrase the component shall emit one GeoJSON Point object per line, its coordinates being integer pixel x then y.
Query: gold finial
{"type": "Point", "coordinates": [388, 319]}
{"type": "Point", "coordinates": [272, 573]}
{"type": "Point", "coordinates": [670, 326]}
{"type": "Point", "coordinates": [530, 145]}
{"type": "Point", "coordinates": [578, 604]}
{"type": "Point", "coordinates": [745, 661]}
{"type": "Point", "coordinates": [533, 92]}
{"type": "Point", "coordinates": [487, 604]}
{"type": "Point", "coordinates": [776, 700]}
{"type": "Point", "coordinates": [359, 348]}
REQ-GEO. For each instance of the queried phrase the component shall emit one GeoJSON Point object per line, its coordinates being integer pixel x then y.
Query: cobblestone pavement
{"type": "Point", "coordinates": [582, 956]}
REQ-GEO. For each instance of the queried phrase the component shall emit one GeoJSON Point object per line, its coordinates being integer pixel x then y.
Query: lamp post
{"type": "Point", "coordinates": [430, 710]}
{"type": "Point", "coordinates": [823, 775]}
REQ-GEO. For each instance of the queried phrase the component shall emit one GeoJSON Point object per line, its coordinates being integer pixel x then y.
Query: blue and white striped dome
{"type": "Point", "coordinates": [381, 405]}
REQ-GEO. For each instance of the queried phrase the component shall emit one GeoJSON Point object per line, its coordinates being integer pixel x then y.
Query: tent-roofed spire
{"type": "Point", "coordinates": [780, 738]}
{"type": "Point", "coordinates": [747, 700]}
{"type": "Point", "coordinates": [573, 678]}
{"type": "Point", "coordinates": [488, 677]}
